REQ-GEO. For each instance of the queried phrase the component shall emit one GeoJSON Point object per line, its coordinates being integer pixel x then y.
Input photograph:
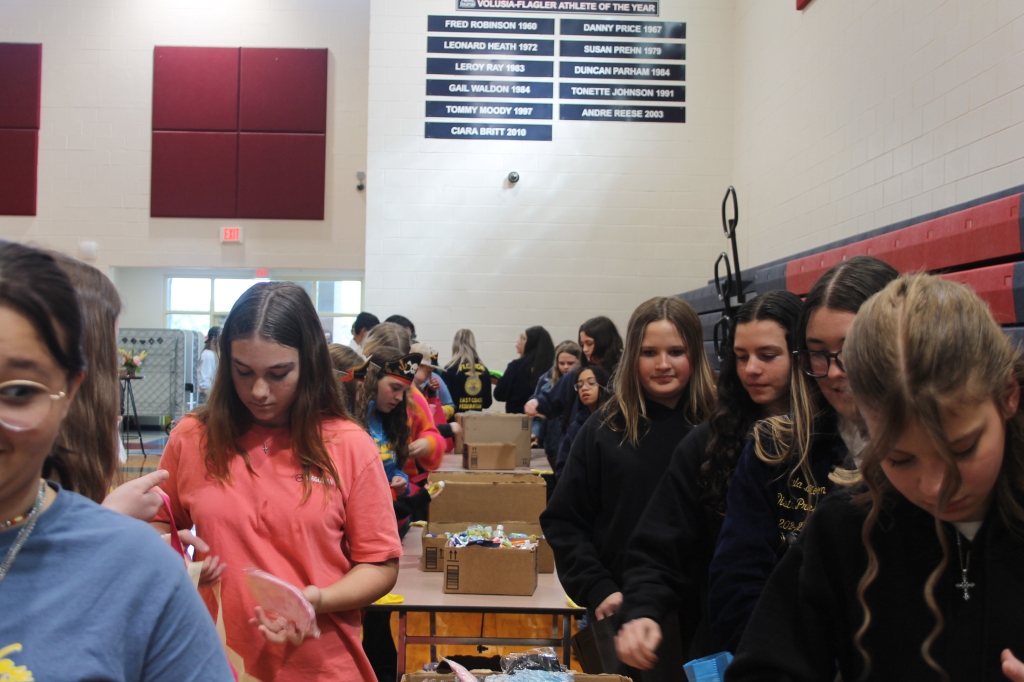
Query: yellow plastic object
{"type": "Point", "coordinates": [435, 487]}
{"type": "Point", "coordinates": [421, 524]}
{"type": "Point", "coordinates": [541, 472]}
{"type": "Point", "coordinates": [571, 603]}
{"type": "Point", "coordinates": [389, 599]}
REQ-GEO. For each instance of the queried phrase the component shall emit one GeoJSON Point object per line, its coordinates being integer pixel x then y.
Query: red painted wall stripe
{"type": "Point", "coordinates": [975, 234]}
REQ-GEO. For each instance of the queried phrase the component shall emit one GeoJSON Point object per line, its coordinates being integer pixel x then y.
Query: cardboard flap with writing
{"type": "Point", "coordinates": [488, 498]}
{"type": "Point", "coordinates": [492, 427]}
{"type": "Point", "coordinates": [482, 570]}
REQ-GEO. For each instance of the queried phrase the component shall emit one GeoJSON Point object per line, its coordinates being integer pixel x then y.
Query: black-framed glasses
{"type": "Point", "coordinates": [816, 363]}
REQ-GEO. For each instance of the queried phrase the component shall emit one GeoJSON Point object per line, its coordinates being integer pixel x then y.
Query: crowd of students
{"type": "Point", "coordinates": [844, 500]}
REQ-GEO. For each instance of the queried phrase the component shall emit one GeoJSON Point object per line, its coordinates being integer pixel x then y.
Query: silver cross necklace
{"type": "Point", "coordinates": [964, 567]}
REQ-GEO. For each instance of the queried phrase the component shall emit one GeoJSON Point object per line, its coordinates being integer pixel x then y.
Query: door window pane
{"type": "Point", "coordinates": [196, 323]}
{"type": "Point", "coordinates": [227, 291]}
{"type": "Point", "coordinates": [188, 293]}
{"type": "Point", "coordinates": [308, 285]}
{"type": "Point", "coordinates": [339, 297]}
{"type": "Point", "coordinates": [339, 329]}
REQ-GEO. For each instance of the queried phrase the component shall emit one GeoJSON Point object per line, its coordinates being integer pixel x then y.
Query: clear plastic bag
{"type": "Point", "coordinates": [545, 659]}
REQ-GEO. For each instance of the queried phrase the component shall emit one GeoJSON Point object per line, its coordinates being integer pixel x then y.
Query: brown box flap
{"type": "Point", "coordinates": [488, 498]}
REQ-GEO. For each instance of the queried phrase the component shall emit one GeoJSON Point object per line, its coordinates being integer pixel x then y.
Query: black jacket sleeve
{"type": "Point", "coordinates": [505, 384]}
{"type": "Point", "coordinates": [747, 548]}
{"type": "Point", "coordinates": [792, 635]}
{"type": "Point", "coordinates": [671, 543]}
{"type": "Point", "coordinates": [553, 403]}
{"type": "Point", "coordinates": [485, 377]}
{"type": "Point", "coordinates": [568, 523]}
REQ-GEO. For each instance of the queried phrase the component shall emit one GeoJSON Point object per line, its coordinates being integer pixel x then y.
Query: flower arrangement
{"type": "Point", "coordinates": [130, 362]}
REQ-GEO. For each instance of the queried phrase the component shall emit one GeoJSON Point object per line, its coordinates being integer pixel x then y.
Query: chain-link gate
{"type": "Point", "coordinates": [168, 390]}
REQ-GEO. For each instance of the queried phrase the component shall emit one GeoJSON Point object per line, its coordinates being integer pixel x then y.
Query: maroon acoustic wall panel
{"type": "Point", "coordinates": [18, 160]}
{"type": "Point", "coordinates": [239, 132]}
{"type": "Point", "coordinates": [21, 73]}
{"type": "Point", "coordinates": [194, 174]}
{"type": "Point", "coordinates": [21, 69]}
{"type": "Point", "coordinates": [195, 88]}
{"type": "Point", "coordinates": [281, 175]}
{"type": "Point", "coordinates": [283, 90]}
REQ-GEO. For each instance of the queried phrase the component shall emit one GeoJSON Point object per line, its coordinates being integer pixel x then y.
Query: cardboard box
{"type": "Point", "coordinates": [488, 498]}
{"type": "Point", "coordinates": [433, 547]}
{"type": "Point", "coordinates": [482, 570]}
{"type": "Point", "coordinates": [489, 456]}
{"type": "Point", "coordinates": [482, 674]}
{"type": "Point", "coordinates": [492, 427]}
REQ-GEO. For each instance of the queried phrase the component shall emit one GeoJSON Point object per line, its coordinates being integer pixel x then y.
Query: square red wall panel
{"type": "Point", "coordinates": [21, 73]}
{"type": "Point", "coordinates": [281, 175]}
{"type": "Point", "coordinates": [18, 161]}
{"type": "Point", "coordinates": [194, 175]}
{"type": "Point", "coordinates": [283, 90]}
{"type": "Point", "coordinates": [195, 88]}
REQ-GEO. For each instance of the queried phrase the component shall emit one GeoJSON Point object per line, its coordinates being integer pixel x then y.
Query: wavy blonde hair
{"type": "Point", "coordinates": [628, 407]}
{"type": "Point", "coordinates": [921, 347]}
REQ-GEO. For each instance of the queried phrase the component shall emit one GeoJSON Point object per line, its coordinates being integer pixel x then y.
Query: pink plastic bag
{"type": "Point", "coordinates": [279, 598]}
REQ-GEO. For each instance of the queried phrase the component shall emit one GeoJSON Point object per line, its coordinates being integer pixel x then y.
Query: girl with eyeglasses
{"type": "Point", "coordinates": [913, 573]}
{"type": "Point", "coordinates": [664, 610]}
{"type": "Point", "coordinates": [663, 388]}
{"type": "Point", "coordinates": [592, 391]}
{"type": "Point", "coordinates": [785, 470]}
{"type": "Point", "coordinates": [85, 593]}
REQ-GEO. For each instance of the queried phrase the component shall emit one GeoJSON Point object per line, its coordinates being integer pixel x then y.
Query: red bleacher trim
{"type": "Point", "coordinates": [994, 285]}
{"type": "Point", "coordinates": [991, 230]}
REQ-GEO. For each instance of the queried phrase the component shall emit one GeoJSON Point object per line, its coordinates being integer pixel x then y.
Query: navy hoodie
{"type": "Point", "coordinates": [767, 508]}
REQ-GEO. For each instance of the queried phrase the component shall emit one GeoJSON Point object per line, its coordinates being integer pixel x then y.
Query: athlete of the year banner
{"type": "Point", "coordinates": [647, 9]}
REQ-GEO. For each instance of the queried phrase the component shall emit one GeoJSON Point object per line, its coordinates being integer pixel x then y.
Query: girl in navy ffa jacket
{"type": "Point", "coordinates": [666, 580]}
{"type": "Point", "coordinates": [915, 573]}
{"type": "Point", "coordinates": [784, 472]}
{"type": "Point", "coordinates": [664, 387]}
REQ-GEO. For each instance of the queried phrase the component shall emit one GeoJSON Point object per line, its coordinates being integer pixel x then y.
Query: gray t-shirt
{"type": "Point", "coordinates": [94, 595]}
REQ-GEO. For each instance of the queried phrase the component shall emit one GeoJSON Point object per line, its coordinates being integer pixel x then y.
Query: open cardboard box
{"type": "Point", "coordinates": [492, 427]}
{"type": "Point", "coordinates": [478, 498]}
{"type": "Point", "coordinates": [434, 677]}
{"type": "Point", "coordinates": [483, 570]}
{"type": "Point", "coordinates": [433, 547]}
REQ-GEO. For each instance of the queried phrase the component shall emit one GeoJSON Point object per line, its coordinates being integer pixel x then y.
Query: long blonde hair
{"type": "Point", "coordinates": [570, 347]}
{"type": "Point", "coordinates": [918, 348]}
{"type": "Point", "coordinates": [464, 352]}
{"type": "Point", "coordinates": [787, 438]}
{"type": "Point", "coordinates": [628, 406]}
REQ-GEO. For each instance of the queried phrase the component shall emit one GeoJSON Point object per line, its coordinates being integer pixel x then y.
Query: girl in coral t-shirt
{"type": "Point", "coordinates": [276, 476]}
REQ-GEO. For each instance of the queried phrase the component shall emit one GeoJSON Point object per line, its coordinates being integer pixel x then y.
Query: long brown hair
{"type": "Point", "coordinates": [628, 406]}
{"type": "Point", "coordinates": [84, 457]}
{"type": "Point", "coordinates": [385, 343]}
{"type": "Point", "coordinates": [344, 358]}
{"type": "Point", "coordinates": [283, 313]}
{"type": "Point", "coordinates": [787, 438]}
{"type": "Point", "coordinates": [920, 347]}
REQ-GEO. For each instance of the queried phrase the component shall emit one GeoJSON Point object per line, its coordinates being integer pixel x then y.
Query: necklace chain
{"type": "Point", "coordinates": [964, 567]}
{"type": "Point", "coordinates": [25, 531]}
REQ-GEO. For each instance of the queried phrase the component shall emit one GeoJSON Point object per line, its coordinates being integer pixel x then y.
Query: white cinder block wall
{"type": "Point", "coordinates": [605, 216]}
{"type": "Point", "coordinates": [852, 115]}
{"type": "Point", "coordinates": [95, 140]}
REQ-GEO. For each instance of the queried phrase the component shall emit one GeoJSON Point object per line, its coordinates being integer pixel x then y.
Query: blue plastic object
{"type": "Point", "coordinates": [709, 668]}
